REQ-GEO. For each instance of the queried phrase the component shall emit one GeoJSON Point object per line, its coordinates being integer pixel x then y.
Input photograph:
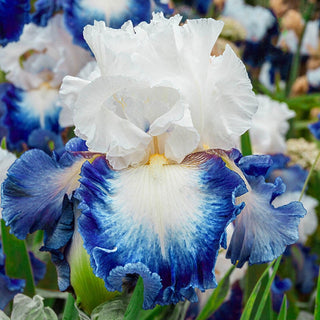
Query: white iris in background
{"type": "Point", "coordinates": [269, 126]}
{"type": "Point", "coordinates": [43, 54]}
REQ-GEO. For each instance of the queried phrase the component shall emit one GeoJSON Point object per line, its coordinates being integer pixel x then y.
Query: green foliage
{"type": "Point", "coordinates": [254, 295]}
{"type": "Point", "coordinates": [246, 144]}
{"type": "Point", "coordinates": [17, 259]}
{"type": "Point", "coordinates": [70, 312]}
{"type": "Point", "coordinates": [136, 301]}
{"type": "Point", "coordinates": [217, 297]}
{"type": "Point", "coordinates": [283, 311]}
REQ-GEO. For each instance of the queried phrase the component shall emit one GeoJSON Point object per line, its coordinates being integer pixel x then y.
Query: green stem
{"type": "Point", "coordinates": [309, 175]}
{"type": "Point", "coordinates": [246, 148]}
{"type": "Point", "coordinates": [295, 67]}
{"type": "Point", "coordinates": [70, 312]}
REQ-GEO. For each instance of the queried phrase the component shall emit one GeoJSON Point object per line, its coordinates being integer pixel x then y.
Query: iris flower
{"type": "Point", "coordinates": [35, 66]}
{"type": "Point", "coordinates": [270, 125]}
{"type": "Point", "coordinates": [157, 187]}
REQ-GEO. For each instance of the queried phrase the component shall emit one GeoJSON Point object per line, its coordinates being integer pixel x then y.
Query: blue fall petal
{"type": "Point", "coordinates": [44, 10]}
{"type": "Point", "coordinates": [39, 268]}
{"type": "Point", "coordinates": [315, 129]}
{"type": "Point", "coordinates": [278, 289]}
{"type": "Point", "coordinates": [306, 266]}
{"type": "Point", "coordinates": [79, 13]}
{"type": "Point", "coordinates": [33, 193]}
{"type": "Point", "coordinates": [14, 14]}
{"type": "Point", "coordinates": [21, 117]}
{"type": "Point", "coordinates": [164, 223]}
{"type": "Point", "coordinates": [232, 308]}
{"type": "Point", "coordinates": [202, 6]}
{"type": "Point", "coordinates": [262, 231]}
{"type": "Point", "coordinates": [8, 287]}
{"type": "Point", "coordinates": [163, 7]}
{"type": "Point", "coordinates": [293, 176]}
{"type": "Point", "coordinates": [46, 141]}
{"type": "Point", "coordinates": [56, 242]}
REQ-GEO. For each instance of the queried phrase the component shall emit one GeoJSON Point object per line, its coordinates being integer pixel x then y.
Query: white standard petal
{"type": "Point", "coordinates": [217, 93]}
{"type": "Point", "coordinates": [127, 115]}
{"type": "Point", "coordinates": [228, 102]}
{"type": "Point", "coordinates": [70, 89]}
{"type": "Point", "coordinates": [103, 128]}
{"type": "Point", "coordinates": [6, 160]}
{"type": "Point", "coordinates": [270, 125]}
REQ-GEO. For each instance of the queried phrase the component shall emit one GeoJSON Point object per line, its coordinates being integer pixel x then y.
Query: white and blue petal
{"type": "Point", "coordinates": [262, 231]}
{"type": "Point", "coordinates": [162, 6]}
{"type": "Point", "coordinates": [79, 13]}
{"type": "Point", "coordinates": [14, 14]}
{"type": "Point", "coordinates": [33, 193]}
{"type": "Point", "coordinates": [129, 116]}
{"type": "Point", "coordinates": [162, 221]}
{"type": "Point", "coordinates": [217, 90]}
{"type": "Point", "coordinates": [27, 111]}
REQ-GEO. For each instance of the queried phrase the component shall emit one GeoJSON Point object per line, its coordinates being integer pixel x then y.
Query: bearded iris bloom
{"type": "Point", "coordinates": [35, 66]}
{"type": "Point", "coordinates": [157, 188]}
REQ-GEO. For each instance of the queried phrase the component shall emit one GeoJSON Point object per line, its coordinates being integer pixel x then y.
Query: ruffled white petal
{"type": "Point", "coordinates": [229, 102]}
{"type": "Point", "coordinates": [216, 92]}
{"type": "Point", "coordinates": [270, 125]}
{"type": "Point", "coordinates": [70, 89]}
{"type": "Point", "coordinates": [126, 115]}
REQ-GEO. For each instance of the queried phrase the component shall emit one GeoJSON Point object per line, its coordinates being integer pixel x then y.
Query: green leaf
{"type": "Point", "coordinates": [17, 259]}
{"type": "Point", "coordinates": [152, 314]}
{"type": "Point", "coordinates": [70, 312]}
{"type": "Point", "coordinates": [267, 310]}
{"type": "Point", "coordinates": [2, 76]}
{"type": "Point", "coordinates": [246, 144]}
{"type": "Point", "coordinates": [4, 143]}
{"type": "Point", "coordinates": [217, 297]}
{"type": "Point", "coordinates": [252, 276]}
{"type": "Point", "coordinates": [283, 311]}
{"type": "Point", "coordinates": [295, 66]}
{"type": "Point", "coordinates": [317, 306]}
{"type": "Point", "coordinates": [136, 301]}
{"type": "Point", "coordinates": [250, 303]}
{"type": "Point", "coordinates": [267, 290]}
